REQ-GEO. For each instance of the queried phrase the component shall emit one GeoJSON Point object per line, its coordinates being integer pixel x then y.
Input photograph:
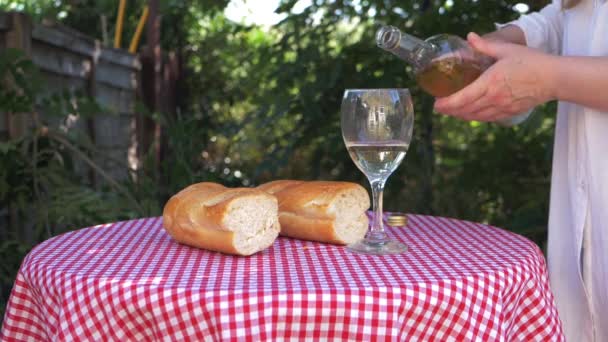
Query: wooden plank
{"type": "Point", "coordinates": [19, 38]}
{"type": "Point", "coordinates": [92, 92]}
{"type": "Point", "coordinates": [119, 65]}
{"type": "Point", "coordinates": [52, 59]}
{"type": "Point", "coordinates": [80, 44]}
{"type": "Point", "coordinates": [120, 57]}
{"type": "Point", "coordinates": [4, 222]}
{"type": "Point", "coordinates": [117, 83]}
{"type": "Point", "coordinates": [71, 40]}
{"type": "Point", "coordinates": [81, 169]}
{"type": "Point", "coordinates": [55, 25]}
{"type": "Point", "coordinates": [116, 75]}
{"type": "Point", "coordinates": [55, 83]}
{"type": "Point", "coordinates": [66, 59]}
{"type": "Point", "coordinates": [113, 131]}
{"type": "Point", "coordinates": [3, 125]}
{"type": "Point", "coordinates": [118, 171]}
{"type": "Point", "coordinates": [66, 122]}
{"type": "Point", "coordinates": [115, 99]}
{"type": "Point", "coordinates": [76, 126]}
{"type": "Point", "coordinates": [151, 79]}
{"type": "Point", "coordinates": [5, 21]}
{"type": "Point", "coordinates": [5, 25]}
{"type": "Point", "coordinates": [57, 60]}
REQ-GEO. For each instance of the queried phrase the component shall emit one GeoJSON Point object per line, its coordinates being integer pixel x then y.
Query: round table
{"type": "Point", "coordinates": [129, 280]}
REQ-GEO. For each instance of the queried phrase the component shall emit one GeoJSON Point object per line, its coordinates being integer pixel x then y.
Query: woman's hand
{"type": "Point", "coordinates": [520, 79]}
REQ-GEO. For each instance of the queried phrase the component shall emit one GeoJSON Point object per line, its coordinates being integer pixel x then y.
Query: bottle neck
{"type": "Point", "coordinates": [407, 47]}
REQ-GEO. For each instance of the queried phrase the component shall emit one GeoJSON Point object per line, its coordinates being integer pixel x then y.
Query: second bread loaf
{"type": "Point", "coordinates": [331, 212]}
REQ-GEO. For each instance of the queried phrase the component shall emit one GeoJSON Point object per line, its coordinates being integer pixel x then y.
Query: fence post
{"type": "Point", "coordinates": [91, 90]}
{"type": "Point", "coordinates": [19, 36]}
{"type": "Point", "coordinates": [151, 68]}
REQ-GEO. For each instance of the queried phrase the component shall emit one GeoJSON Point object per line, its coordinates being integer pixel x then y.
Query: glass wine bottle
{"type": "Point", "coordinates": [442, 64]}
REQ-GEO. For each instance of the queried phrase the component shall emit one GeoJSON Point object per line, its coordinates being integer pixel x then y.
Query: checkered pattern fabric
{"type": "Point", "coordinates": [130, 281]}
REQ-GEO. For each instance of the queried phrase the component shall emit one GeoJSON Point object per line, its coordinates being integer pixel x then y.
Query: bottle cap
{"type": "Point", "coordinates": [396, 220]}
{"type": "Point", "coordinates": [387, 37]}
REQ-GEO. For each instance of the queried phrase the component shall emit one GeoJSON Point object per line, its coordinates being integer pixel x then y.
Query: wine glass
{"type": "Point", "coordinates": [377, 129]}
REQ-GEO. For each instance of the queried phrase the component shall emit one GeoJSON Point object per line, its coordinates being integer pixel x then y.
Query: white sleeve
{"type": "Point", "coordinates": [543, 30]}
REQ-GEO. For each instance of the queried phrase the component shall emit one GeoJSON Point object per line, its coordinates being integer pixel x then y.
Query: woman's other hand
{"type": "Point", "coordinates": [520, 79]}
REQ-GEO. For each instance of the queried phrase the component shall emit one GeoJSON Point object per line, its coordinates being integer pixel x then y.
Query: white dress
{"type": "Point", "coordinates": [578, 217]}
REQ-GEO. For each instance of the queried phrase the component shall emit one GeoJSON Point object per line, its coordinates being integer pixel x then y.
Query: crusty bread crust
{"type": "Point", "coordinates": [278, 185]}
{"type": "Point", "coordinates": [299, 227]}
{"type": "Point", "coordinates": [196, 216]}
{"type": "Point", "coordinates": [311, 210]}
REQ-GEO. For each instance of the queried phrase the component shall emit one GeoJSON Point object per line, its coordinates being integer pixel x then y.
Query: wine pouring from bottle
{"type": "Point", "coordinates": [443, 64]}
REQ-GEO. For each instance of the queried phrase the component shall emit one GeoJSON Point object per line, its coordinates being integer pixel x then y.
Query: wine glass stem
{"type": "Point", "coordinates": [377, 233]}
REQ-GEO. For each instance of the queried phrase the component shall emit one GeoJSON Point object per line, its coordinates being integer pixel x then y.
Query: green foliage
{"type": "Point", "coordinates": [8, 250]}
{"type": "Point", "coordinates": [37, 9]}
{"type": "Point", "coordinates": [19, 81]}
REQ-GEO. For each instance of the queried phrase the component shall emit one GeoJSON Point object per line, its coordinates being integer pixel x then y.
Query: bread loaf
{"type": "Point", "coordinates": [331, 212]}
{"type": "Point", "coordinates": [237, 221]}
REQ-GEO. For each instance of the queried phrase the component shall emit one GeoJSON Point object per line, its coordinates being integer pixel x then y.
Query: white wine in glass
{"type": "Point", "coordinates": [377, 127]}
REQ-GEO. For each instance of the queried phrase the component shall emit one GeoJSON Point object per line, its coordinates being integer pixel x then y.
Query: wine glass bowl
{"type": "Point", "coordinates": [377, 127]}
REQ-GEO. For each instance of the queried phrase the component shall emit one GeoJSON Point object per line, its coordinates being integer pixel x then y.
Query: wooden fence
{"type": "Point", "coordinates": [69, 60]}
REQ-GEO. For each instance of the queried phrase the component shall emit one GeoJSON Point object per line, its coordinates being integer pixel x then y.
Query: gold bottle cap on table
{"type": "Point", "coordinates": [397, 220]}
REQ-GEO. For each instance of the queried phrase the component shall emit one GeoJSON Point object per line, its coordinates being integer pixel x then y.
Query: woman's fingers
{"type": "Point", "coordinates": [510, 86]}
{"type": "Point", "coordinates": [476, 106]}
{"type": "Point", "coordinates": [456, 101]}
{"type": "Point", "coordinates": [490, 48]}
{"type": "Point", "coordinates": [480, 45]}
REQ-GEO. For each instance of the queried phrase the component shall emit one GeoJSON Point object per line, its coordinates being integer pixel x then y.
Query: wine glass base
{"type": "Point", "coordinates": [375, 248]}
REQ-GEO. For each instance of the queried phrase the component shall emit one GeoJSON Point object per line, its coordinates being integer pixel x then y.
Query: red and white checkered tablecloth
{"type": "Point", "coordinates": [130, 281]}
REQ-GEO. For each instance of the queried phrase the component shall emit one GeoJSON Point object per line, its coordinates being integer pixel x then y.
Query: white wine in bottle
{"type": "Point", "coordinates": [443, 64]}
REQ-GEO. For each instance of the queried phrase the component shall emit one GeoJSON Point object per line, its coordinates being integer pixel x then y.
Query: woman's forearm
{"type": "Point", "coordinates": [508, 34]}
{"type": "Point", "coordinates": [581, 80]}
